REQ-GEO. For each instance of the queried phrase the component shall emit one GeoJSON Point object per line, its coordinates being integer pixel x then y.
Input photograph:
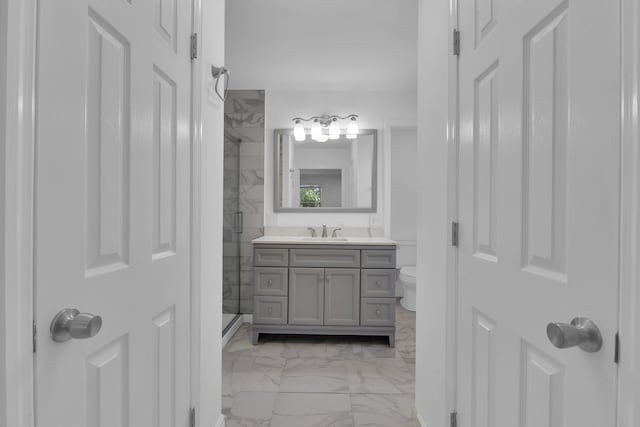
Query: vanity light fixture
{"type": "Point", "coordinates": [330, 123]}
{"type": "Point", "coordinates": [352, 128]}
{"type": "Point", "coordinates": [298, 131]}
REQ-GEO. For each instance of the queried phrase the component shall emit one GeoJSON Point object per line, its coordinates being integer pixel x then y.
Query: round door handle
{"type": "Point", "coordinates": [70, 323]}
{"type": "Point", "coordinates": [582, 332]}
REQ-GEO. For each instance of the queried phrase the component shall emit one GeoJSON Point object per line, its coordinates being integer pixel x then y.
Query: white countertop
{"type": "Point", "coordinates": [306, 240]}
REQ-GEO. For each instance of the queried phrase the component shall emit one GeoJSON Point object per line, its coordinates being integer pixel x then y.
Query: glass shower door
{"type": "Point", "coordinates": [232, 230]}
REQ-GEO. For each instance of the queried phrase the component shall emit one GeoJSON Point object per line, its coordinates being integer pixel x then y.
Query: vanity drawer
{"type": "Point", "coordinates": [324, 258]}
{"type": "Point", "coordinates": [270, 257]}
{"type": "Point", "coordinates": [378, 312]}
{"type": "Point", "coordinates": [270, 310]}
{"type": "Point", "coordinates": [381, 258]}
{"type": "Point", "coordinates": [271, 281]}
{"type": "Point", "coordinates": [378, 283]}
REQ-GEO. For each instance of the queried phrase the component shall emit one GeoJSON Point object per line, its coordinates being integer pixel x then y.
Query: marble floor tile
{"type": "Point", "coordinates": [252, 374]}
{"type": "Point", "coordinates": [252, 407]}
{"type": "Point", "coordinates": [380, 410]}
{"type": "Point", "coordinates": [312, 409]}
{"type": "Point", "coordinates": [232, 421]}
{"type": "Point", "coordinates": [315, 375]}
{"type": "Point", "coordinates": [298, 381]}
{"type": "Point", "coordinates": [381, 376]}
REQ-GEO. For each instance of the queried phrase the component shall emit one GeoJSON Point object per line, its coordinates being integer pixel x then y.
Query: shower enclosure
{"type": "Point", "coordinates": [232, 231]}
{"type": "Point", "coordinates": [243, 198]}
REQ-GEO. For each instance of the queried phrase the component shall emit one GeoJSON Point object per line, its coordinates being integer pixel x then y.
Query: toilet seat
{"type": "Point", "coordinates": [407, 279]}
{"type": "Point", "coordinates": [408, 274]}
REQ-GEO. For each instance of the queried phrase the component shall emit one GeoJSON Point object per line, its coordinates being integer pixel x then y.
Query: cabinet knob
{"type": "Point", "coordinates": [378, 312]}
{"type": "Point", "coordinates": [378, 283]}
{"type": "Point", "coordinates": [270, 282]}
{"type": "Point", "coordinates": [270, 310]}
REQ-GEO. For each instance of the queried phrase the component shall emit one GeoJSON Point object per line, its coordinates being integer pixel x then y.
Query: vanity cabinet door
{"type": "Point", "coordinates": [306, 296]}
{"type": "Point", "coordinates": [341, 296]}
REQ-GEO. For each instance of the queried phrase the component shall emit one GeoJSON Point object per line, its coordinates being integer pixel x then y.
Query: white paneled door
{"type": "Point", "coordinates": [539, 174]}
{"type": "Point", "coordinates": [113, 208]}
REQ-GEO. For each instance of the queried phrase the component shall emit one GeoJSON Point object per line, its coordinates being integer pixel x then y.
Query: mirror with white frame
{"type": "Point", "coordinates": [338, 175]}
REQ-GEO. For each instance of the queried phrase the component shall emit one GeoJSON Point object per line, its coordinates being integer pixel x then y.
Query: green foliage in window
{"type": "Point", "coordinates": [310, 196]}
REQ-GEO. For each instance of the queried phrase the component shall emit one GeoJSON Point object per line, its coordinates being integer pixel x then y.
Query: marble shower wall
{"type": "Point", "coordinates": [231, 239]}
{"type": "Point", "coordinates": [244, 125]}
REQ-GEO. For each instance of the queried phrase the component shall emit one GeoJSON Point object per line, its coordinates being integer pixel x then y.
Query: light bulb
{"type": "Point", "coordinates": [322, 138]}
{"type": "Point", "coordinates": [334, 130]}
{"type": "Point", "coordinates": [298, 131]}
{"type": "Point", "coordinates": [316, 129]}
{"type": "Point", "coordinates": [353, 129]}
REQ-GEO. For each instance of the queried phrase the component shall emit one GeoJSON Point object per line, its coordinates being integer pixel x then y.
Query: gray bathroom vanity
{"type": "Point", "coordinates": [341, 286]}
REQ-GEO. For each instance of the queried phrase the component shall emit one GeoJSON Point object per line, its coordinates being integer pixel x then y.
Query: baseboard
{"type": "Point", "coordinates": [220, 422]}
{"type": "Point", "coordinates": [245, 318]}
{"type": "Point", "coordinates": [419, 418]}
{"type": "Point", "coordinates": [232, 331]}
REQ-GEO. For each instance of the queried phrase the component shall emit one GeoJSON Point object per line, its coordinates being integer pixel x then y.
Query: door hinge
{"type": "Point", "coordinates": [456, 42]}
{"type": "Point", "coordinates": [192, 417]}
{"type": "Point", "coordinates": [454, 234]}
{"type": "Point", "coordinates": [35, 335]}
{"type": "Point", "coordinates": [454, 419]}
{"type": "Point", "coordinates": [194, 45]}
{"type": "Point", "coordinates": [616, 354]}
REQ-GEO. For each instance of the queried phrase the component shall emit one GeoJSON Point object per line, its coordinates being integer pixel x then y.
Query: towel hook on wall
{"type": "Point", "coordinates": [217, 73]}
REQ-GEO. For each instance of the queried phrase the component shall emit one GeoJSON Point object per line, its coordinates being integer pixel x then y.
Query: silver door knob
{"type": "Point", "coordinates": [70, 323]}
{"type": "Point", "coordinates": [582, 332]}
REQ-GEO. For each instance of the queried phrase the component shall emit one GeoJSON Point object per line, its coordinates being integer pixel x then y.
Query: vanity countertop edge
{"type": "Point", "coordinates": [308, 241]}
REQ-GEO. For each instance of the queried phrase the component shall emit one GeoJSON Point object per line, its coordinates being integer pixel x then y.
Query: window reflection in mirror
{"type": "Point", "coordinates": [320, 188]}
{"type": "Point", "coordinates": [336, 175]}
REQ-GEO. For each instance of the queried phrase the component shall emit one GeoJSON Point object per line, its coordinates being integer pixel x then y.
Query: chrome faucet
{"type": "Point", "coordinates": [334, 234]}
{"type": "Point", "coordinates": [313, 231]}
{"type": "Point", "coordinates": [324, 230]}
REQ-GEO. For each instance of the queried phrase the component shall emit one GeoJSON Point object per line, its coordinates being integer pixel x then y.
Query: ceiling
{"type": "Point", "coordinates": [322, 44]}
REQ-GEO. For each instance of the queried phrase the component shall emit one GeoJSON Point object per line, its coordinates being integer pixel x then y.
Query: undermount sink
{"type": "Point", "coordinates": [325, 239]}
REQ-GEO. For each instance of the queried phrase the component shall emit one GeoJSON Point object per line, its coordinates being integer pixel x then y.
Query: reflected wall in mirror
{"type": "Point", "coordinates": [333, 176]}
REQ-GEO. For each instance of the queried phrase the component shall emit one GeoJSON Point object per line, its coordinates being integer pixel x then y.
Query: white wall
{"type": "Point", "coordinates": [431, 321]}
{"type": "Point", "coordinates": [374, 109]}
{"type": "Point", "coordinates": [404, 194]}
{"type": "Point", "coordinates": [322, 44]}
{"type": "Point", "coordinates": [209, 337]}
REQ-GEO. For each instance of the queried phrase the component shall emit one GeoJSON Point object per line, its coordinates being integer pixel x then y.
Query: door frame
{"type": "Point", "coordinates": [628, 398]}
{"type": "Point", "coordinates": [18, 139]}
{"type": "Point", "coordinates": [629, 292]}
{"type": "Point", "coordinates": [17, 216]}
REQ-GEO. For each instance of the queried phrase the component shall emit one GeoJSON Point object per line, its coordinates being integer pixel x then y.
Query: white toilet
{"type": "Point", "coordinates": [408, 283]}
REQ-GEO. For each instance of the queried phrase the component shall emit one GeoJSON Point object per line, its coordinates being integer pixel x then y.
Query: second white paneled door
{"type": "Point", "coordinates": [113, 210]}
{"type": "Point", "coordinates": [538, 205]}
